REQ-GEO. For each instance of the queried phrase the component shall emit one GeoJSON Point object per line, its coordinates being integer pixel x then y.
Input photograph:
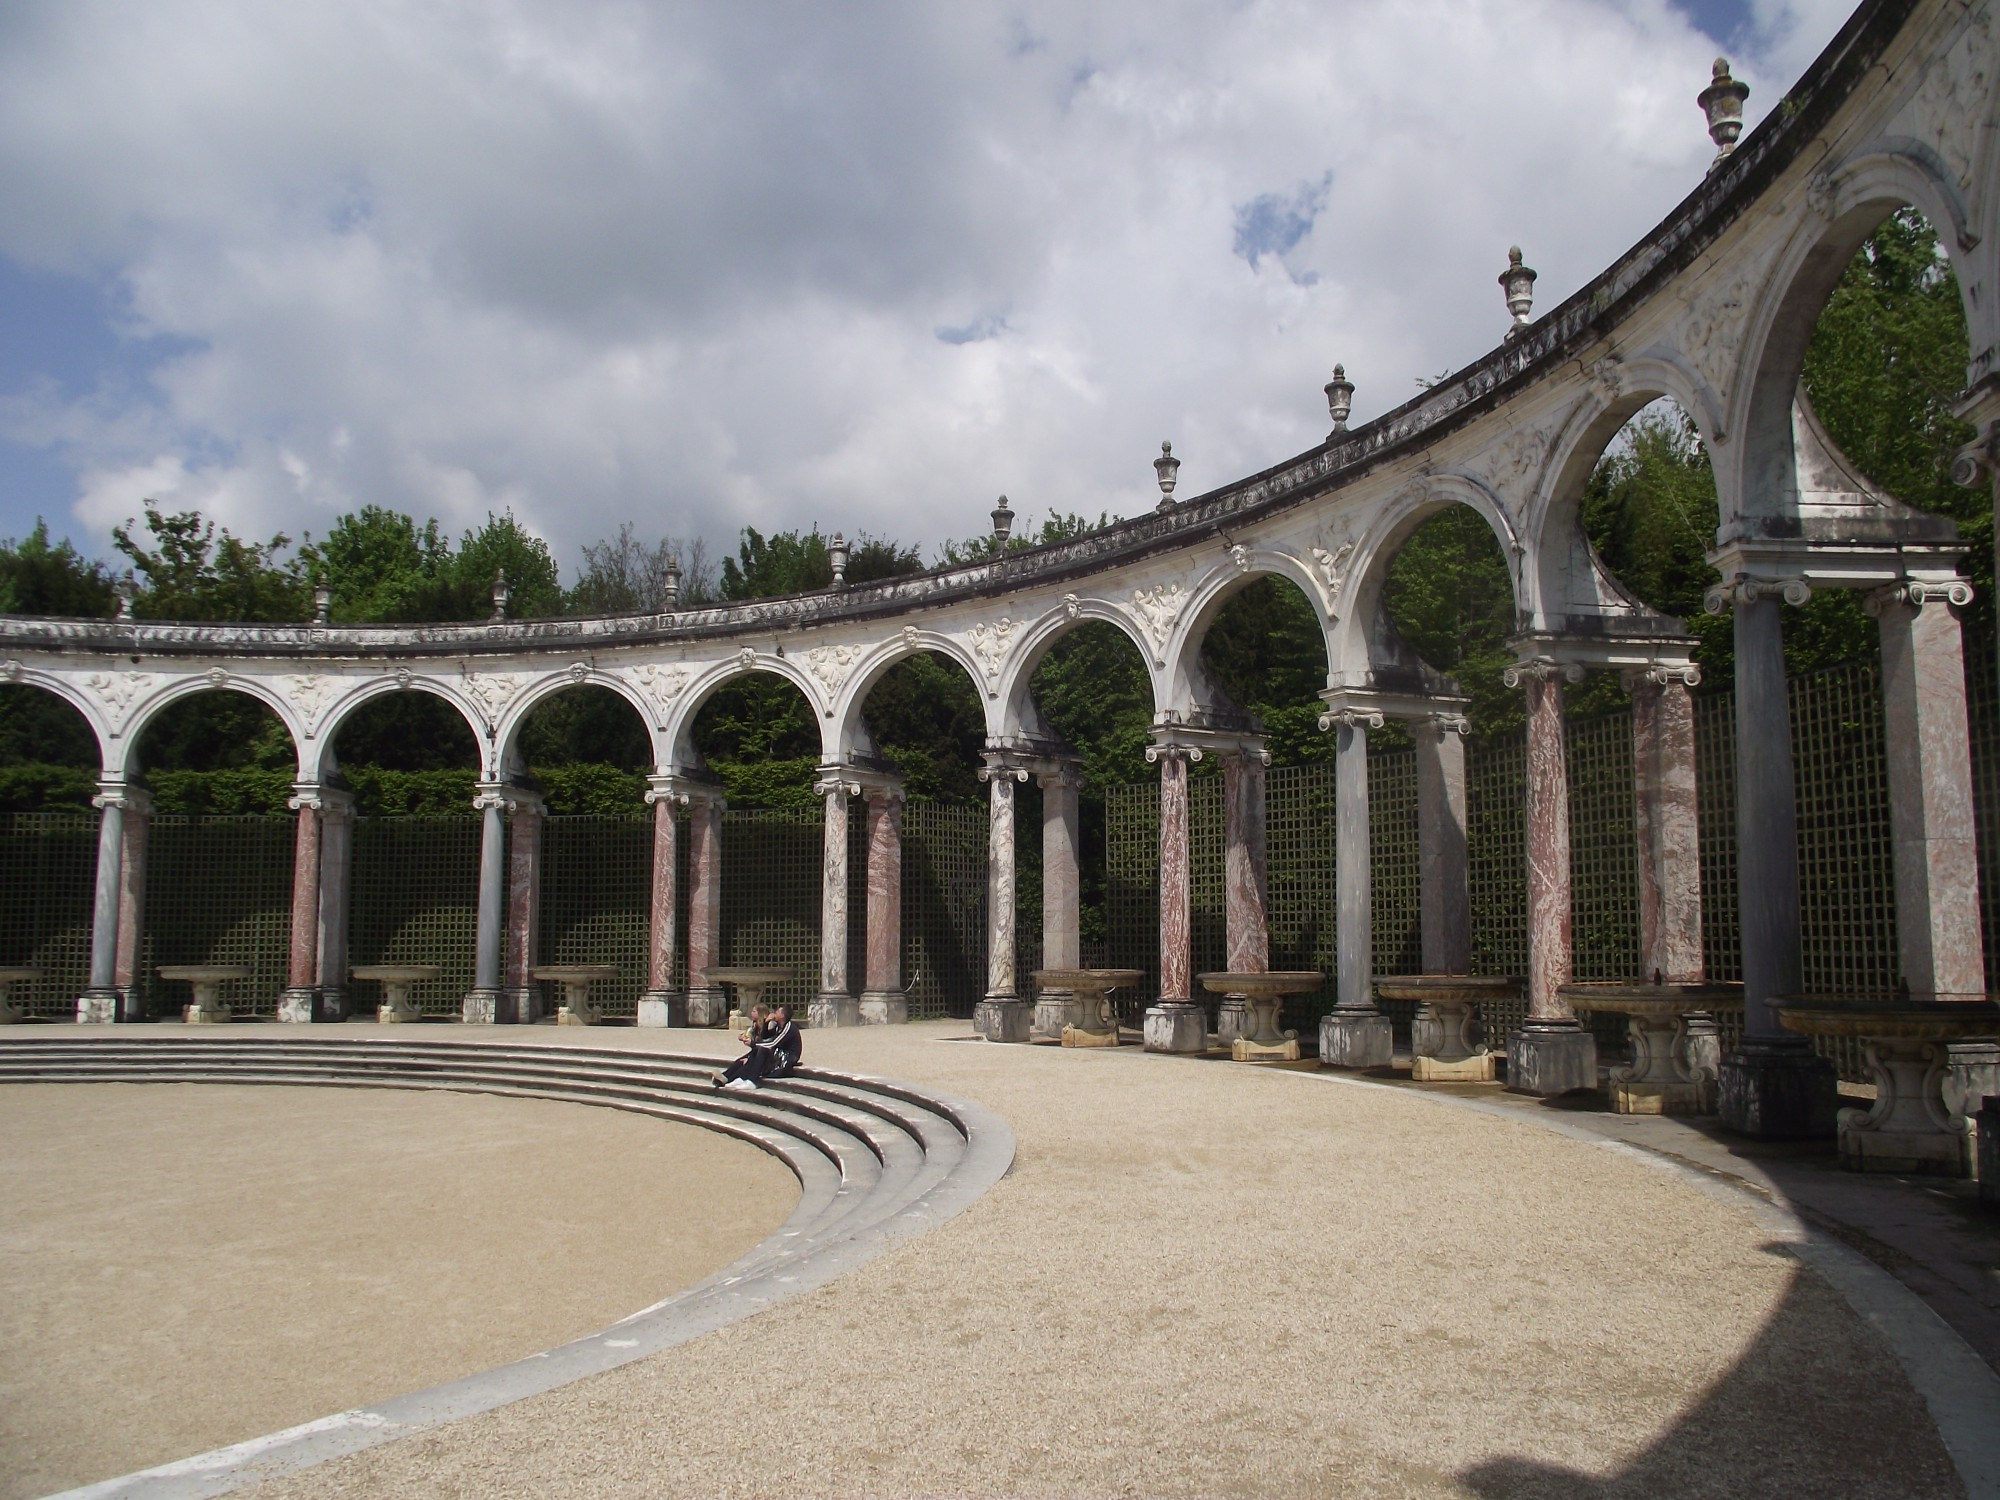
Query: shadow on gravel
{"type": "Point", "coordinates": [1799, 1415]}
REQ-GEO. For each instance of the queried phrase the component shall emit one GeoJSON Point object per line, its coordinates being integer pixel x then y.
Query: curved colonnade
{"type": "Point", "coordinates": [1713, 308]}
{"type": "Point", "coordinates": [877, 1162]}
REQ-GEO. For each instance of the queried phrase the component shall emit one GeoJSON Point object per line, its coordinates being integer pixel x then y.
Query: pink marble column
{"type": "Point", "coordinates": [1062, 893]}
{"type": "Point", "coordinates": [1175, 1023]}
{"type": "Point", "coordinates": [1551, 1054]}
{"type": "Point", "coordinates": [129, 975]}
{"type": "Point", "coordinates": [1002, 1016]}
{"type": "Point", "coordinates": [1930, 791]}
{"type": "Point", "coordinates": [1667, 822]}
{"type": "Point", "coordinates": [882, 999]}
{"type": "Point", "coordinates": [524, 901]}
{"type": "Point", "coordinates": [708, 1004]}
{"type": "Point", "coordinates": [1443, 872]}
{"type": "Point", "coordinates": [302, 967]}
{"type": "Point", "coordinates": [1246, 935]}
{"type": "Point", "coordinates": [834, 1005]}
{"type": "Point", "coordinates": [336, 871]}
{"type": "Point", "coordinates": [661, 1004]}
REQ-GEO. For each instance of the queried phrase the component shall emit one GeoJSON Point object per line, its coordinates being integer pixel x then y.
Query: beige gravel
{"type": "Point", "coordinates": [184, 1266]}
{"type": "Point", "coordinates": [1205, 1279]}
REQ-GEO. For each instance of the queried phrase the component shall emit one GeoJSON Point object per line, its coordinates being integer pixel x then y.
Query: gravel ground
{"type": "Point", "coordinates": [183, 1266]}
{"type": "Point", "coordinates": [1206, 1279]}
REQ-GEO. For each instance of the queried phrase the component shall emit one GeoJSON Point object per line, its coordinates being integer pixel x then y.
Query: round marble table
{"type": "Point", "coordinates": [748, 984]}
{"type": "Point", "coordinates": [396, 980]}
{"type": "Point", "coordinates": [1910, 1129]}
{"type": "Point", "coordinates": [207, 981]}
{"type": "Point", "coordinates": [1441, 1047]}
{"type": "Point", "coordinates": [576, 980]}
{"type": "Point", "coordinates": [1088, 1020]}
{"type": "Point", "coordinates": [1676, 1055]}
{"type": "Point", "coordinates": [9, 977]}
{"type": "Point", "coordinates": [1263, 993]}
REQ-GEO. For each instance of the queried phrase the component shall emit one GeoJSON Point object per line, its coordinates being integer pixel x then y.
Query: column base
{"type": "Point", "coordinates": [1001, 1019]}
{"type": "Point", "coordinates": [131, 1004]}
{"type": "Point", "coordinates": [707, 1007]}
{"type": "Point", "coordinates": [1972, 1072]}
{"type": "Point", "coordinates": [1356, 1039]}
{"type": "Point", "coordinates": [1478, 1068]}
{"type": "Point", "coordinates": [829, 1009]}
{"type": "Point", "coordinates": [1076, 1036]}
{"type": "Point", "coordinates": [332, 1003]}
{"type": "Point", "coordinates": [1245, 1050]}
{"type": "Point", "coordinates": [660, 1008]}
{"type": "Point", "coordinates": [1177, 1026]}
{"type": "Point", "coordinates": [521, 1004]}
{"type": "Point", "coordinates": [1233, 1020]}
{"type": "Point", "coordinates": [1776, 1090]}
{"type": "Point", "coordinates": [97, 1007]}
{"type": "Point", "coordinates": [884, 1007]}
{"type": "Point", "coordinates": [483, 1008]}
{"type": "Point", "coordinates": [1056, 1011]}
{"type": "Point", "coordinates": [297, 1007]}
{"type": "Point", "coordinates": [1547, 1058]}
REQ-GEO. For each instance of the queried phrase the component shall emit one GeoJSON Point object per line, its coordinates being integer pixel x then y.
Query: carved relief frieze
{"type": "Point", "coordinates": [831, 664]}
{"type": "Point", "coordinates": [1159, 610]}
{"type": "Point", "coordinates": [989, 643]}
{"type": "Point", "coordinates": [310, 692]}
{"type": "Point", "coordinates": [1331, 555]}
{"type": "Point", "coordinates": [1949, 110]}
{"type": "Point", "coordinates": [117, 690]}
{"type": "Point", "coordinates": [491, 692]}
{"type": "Point", "coordinates": [1513, 464]}
{"type": "Point", "coordinates": [1711, 330]}
{"type": "Point", "coordinates": [661, 684]}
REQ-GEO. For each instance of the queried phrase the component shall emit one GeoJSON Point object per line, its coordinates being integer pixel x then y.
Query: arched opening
{"type": "Point", "coordinates": [213, 858]}
{"type": "Point", "coordinates": [49, 764]}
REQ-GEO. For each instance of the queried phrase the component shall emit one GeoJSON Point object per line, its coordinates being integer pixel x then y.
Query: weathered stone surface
{"type": "Point", "coordinates": [662, 1008]}
{"type": "Point", "coordinates": [132, 908]}
{"type": "Point", "coordinates": [1479, 1068]}
{"type": "Point", "coordinates": [1356, 1039]}
{"type": "Point", "coordinates": [524, 902]}
{"type": "Point", "coordinates": [1245, 1050]}
{"type": "Point", "coordinates": [882, 997]}
{"type": "Point", "coordinates": [303, 966]}
{"type": "Point", "coordinates": [826, 1010]}
{"type": "Point", "coordinates": [1244, 860]}
{"type": "Point", "coordinates": [1176, 962]}
{"type": "Point", "coordinates": [1443, 874]}
{"type": "Point", "coordinates": [1176, 1027]}
{"type": "Point", "coordinates": [1988, 1148]}
{"type": "Point", "coordinates": [1354, 902]}
{"type": "Point", "coordinates": [1076, 1036]}
{"type": "Point", "coordinates": [1549, 919]}
{"type": "Point", "coordinates": [1777, 1090]}
{"type": "Point", "coordinates": [665, 898]}
{"type": "Point", "coordinates": [336, 876]}
{"type": "Point", "coordinates": [1547, 1058]}
{"type": "Point", "coordinates": [1001, 1020]}
{"type": "Point", "coordinates": [877, 1008]}
{"type": "Point", "coordinates": [1771, 1096]}
{"type": "Point", "coordinates": [707, 1004]}
{"type": "Point", "coordinates": [1002, 984]}
{"type": "Point", "coordinates": [833, 1010]}
{"type": "Point", "coordinates": [1667, 826]}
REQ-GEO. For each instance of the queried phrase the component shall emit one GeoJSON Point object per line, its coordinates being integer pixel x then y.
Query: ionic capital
{"type": "Point", "coordinates": [1743, 589]}
{"type": "Point", "coordinates": [1541, 669]}
{"type": "Point", "coordinates": [1915, 593]}
{"type": "Point", "coordinates": [1441, 723]}
{"type": "Point", "coordinates": [1352, 718]}
{"type": "Point", "coordinates": [1661, 674]}
{"type": "Point", "coordinates": [327, 801]}
{"type": "Point", "coordinates": [124, 796]}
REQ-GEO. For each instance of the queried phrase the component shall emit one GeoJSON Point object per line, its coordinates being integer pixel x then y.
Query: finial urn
{"type": "Point", "coordinates": [1167, 468]}
{"type": "Point", "coordinates": [1339, 398]}
{"type": "Point", "coordinates": [1722, 102]}
{"type": "Point", "coordinates": [1518, 282]}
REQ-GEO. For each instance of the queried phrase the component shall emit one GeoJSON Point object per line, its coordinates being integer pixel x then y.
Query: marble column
{"type": "Point", "coordinates": [524, 903]}
{"type": "Point", "coordinates": [1354, 1034]}
{"type": "Point", "coordinates": [883, 1001]}
{"type": "Point", "coordinates": [296, 1004]}
{"type": "Point", "coordinates": [1443, 874]}
{"type": "Point", "coordinates": [661, 1004]}
{"type": "Point", "coordinates": [485, 1003]}
{"type": "Point", "coordinates": [336, 879]}
{"type": "Point", "coordinates": [1774, 1086]}
{"type": "Point", "coordinates": [1551, 1054]}
{"type": "Point", "coordinates": [1003, 1015]}
{"type": "Point", "coordinates": [1246, 935]}
{"type": "Point", "coordinates": [1175, 1023]}
{"type": "Point", "coordinates": [129, 975]}
{"type": "Point", "coordinates": [835, 1004]}
{"type": "Point", "coordinates": [1930, 790]}
{"type": "Point", "coordinates": [1062, 894]}
{"type": "Point", "coordinates": [1666, 820]}
{"type": "Point", "coordinates": [99, 1000]}
{"type": "Point", "coordinates": [708, 1004]}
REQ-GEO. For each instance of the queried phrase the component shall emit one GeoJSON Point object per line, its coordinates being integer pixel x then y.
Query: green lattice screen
{"type": "Point", "coordinates": [944, 907]}
{"type": "Point", "coordinates": [596, 898]}
{"type": "Point", "coordinates": [414, 899]}
{"type": "Point", "coordinates": [218, 891]}
{"type": "Point", "coordinates": [48, 873]}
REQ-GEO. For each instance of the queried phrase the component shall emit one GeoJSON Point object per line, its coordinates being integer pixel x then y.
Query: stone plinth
{"type": "Point", "coordinates": [1441, 1046]}
{"type": "Point", "coordinates": [577, 1008]}
{"type": "Point", "coordinates": [1777, 1089]}
{"type": "Point", "coordinates": [884, 1007]}
{"type": "Point", "coordinates": [1910, 1129]}
{"type": "Point", "coordinates": [707, 1005]}
{"type": "Point", "coordinates": [1669, 1074]}
{"type": "Point", "coordinates": [1263, 993]}
{"type": "Point", "coordinates": [662, 1008]}
{"type": "Point", "coordinates": [1355, 1038]}
{"type": "Point", "coordinates": [1056, 1011]}
{"type": "Point", "coordinates": [396, 981]}
{"type": "Point", "coordinates": [1086, 1004]}
{"type": "Point", "coordinates": [207, 981]}
{"type": "Point", "coordinates": [484, 1008]}
{"type": "Point", "coordinates": [1176, 1026]}
{"type": "Point", "coordinates": [1547, 1058]}
{"type": "Point", "coordinates": [833, 1009]}
{"type": "Point", "coordinates": [9, 1011]}
{"type": "Point", "coordinates": [1001, 1020]}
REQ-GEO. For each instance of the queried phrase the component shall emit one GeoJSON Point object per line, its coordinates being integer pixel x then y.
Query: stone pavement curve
{"type": "Point", "coordinates": [1218, 1280]}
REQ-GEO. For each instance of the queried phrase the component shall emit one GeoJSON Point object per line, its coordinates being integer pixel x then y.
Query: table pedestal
{"type": "Point", "coordinates": [396, 1007]}
{"type": "Point", "coordinates": [1675, 1053]}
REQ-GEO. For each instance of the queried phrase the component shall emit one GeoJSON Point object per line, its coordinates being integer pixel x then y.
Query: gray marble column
{"type": "Point", "coordinates": [1354, 1034]}
{"type": "Point", "coordinates": [1175, 1023]}
{"type": "Point", "coordinates": [1002, 1016]}
{"type": "Point", "coordinates": [485, 1002]}
{"type": "Point", "coordinates": [336, 879]}
{"type": "Point", "coordinates": [525, 811]}
{"type": "Point", "coordinates": [129, 976]}
{"type": "Point", "coordinates": [297, 1003]}
{"type": "Point", "coordinates": [708, 1004]}
{"type": "Point", "coordinates": [835, 1004]}
{"type": "Point", "coordinates": [1774, 1086]}
{"type": "Point", "coordinates": [1062, 893]}
{"type": "Point", "coordinates": [1930, 790]}
{"type": "Point", "coordinates": [99, 1000]}
{"type": "Point", "coordinates": [1667, 824]}
{"type": "Point", "coordinates": [661, 1004]}
{"type": "Point", "coordinates": [1443, 875]}
{"type": "Point", "coordinates": [883, 1001]}
{"type": "Point", "coordinates": [1551, 1053]}
{"type": "Point", "coordinates": [1245, 930]}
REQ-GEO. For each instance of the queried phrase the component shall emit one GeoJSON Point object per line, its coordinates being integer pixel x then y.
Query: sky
{"type": "Point", "coordinates": [864, 267]}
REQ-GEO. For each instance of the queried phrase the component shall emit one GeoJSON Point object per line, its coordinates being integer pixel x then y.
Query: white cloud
{"type": "Point", "coordinates": [866, 266]}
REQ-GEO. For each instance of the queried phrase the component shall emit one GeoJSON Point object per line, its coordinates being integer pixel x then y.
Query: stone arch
{"type": "Point", "coordinates": [1763, 481]}
{"type": "Point", "coordinates": [680, 753]}
{"type": "Point", "coordinates": [578, 674]}
{"type": "Point", "coordinates": [122, 761]}
{"type": "Point", "coordinates": [1214, 591]}
{"type": "Point", "coordinates": [875, 662]}
{"type": "Point", "coordinates": [338, 712]}
{"type": "Point", "coordinates": [1038, 635]}
{"type": "Point", "coordinates": [62, 688]}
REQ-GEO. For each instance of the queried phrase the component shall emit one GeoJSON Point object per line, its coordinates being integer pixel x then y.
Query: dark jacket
{"type": "Point", "coordinates": [785, 1043]}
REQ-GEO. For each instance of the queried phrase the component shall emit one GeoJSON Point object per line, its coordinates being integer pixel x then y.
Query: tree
{"type": "Point", "coordinates": [1266, 650]}
{"type": "Point", "coordinates": [192, 573]}
{"type": "Point", "coordinates": [382, 568]}
{"type": "Point", "coordinates": [504, 544]}
{"type": "Point", "coordinates": [624, 576]}
{"type": "Point", "coordinates": [39, 579]}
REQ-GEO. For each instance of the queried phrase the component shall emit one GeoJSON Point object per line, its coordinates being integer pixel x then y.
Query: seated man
{"type": "Point", "coordinates": [761, 1026]}
{"type": "Point", "coordinates": [772, 1055]}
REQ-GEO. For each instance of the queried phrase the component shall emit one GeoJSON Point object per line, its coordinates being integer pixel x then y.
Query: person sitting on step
{"type": "Point", "coordinates": [773, 1055]}
{"type": "Point", "coordinates": [762, 1025]}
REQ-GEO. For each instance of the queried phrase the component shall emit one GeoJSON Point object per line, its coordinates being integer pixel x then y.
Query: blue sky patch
{"type": "Point", "coordinates": [977, 331]}
{"type": "Point", "coordinates": [1271, 223]}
